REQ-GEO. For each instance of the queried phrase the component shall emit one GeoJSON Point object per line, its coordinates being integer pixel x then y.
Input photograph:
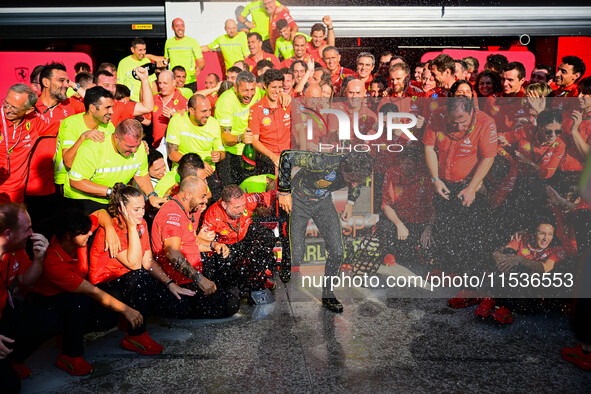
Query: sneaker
{"type": "Point", "coordinates": [464, 299]}
{"type": "Point", "coordinates": [576, 356]}
{"type": "Point", "coordinates": [332, 304]}
{"type": "Point", "coordinates": [503, 315]}
{"type": "Point", "coordinates": [141, 344]}
{"type": "Point", "coordinates": [76, 366]}
{"type": "Point", "coordinates": [486, 307]}
{"type": "Point", "coordinates": [22, 371]}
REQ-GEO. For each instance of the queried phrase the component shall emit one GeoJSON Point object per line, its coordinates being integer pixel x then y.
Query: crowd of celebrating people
{"type": "Point", "coordinates": [128, 193]}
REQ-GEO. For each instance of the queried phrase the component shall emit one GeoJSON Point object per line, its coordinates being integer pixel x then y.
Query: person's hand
{"type": "Point", "coordinates": [503, 140]}
{"type": "Point", "coordinates": [4, 351]}
{"type": "Point", "coordinates": [40, 244]}
{"type": "Point", "coordinates": [347, 213]}
{"type": "Point", "coordinates": [207, 286]}
{"type": "Point", "coordinates": [247, 137]}
{"type": "Point", "coordinates": [524, 160]}
{"type": "Point", "coordinates": [112, 242]}
{"type": "Point", "coordinates": [285, 201]}
{"type": "Point", "coordinates": [441, 189]}
{"type": "Point", "coordinates": [311, 66]}
{"type": "Point", "coordinates": [536, 102]}
{"type": "Point", "coordinates": [157, 202]}
{"type": "Point", "coordinates": [208, 169]}
{"type": "Point", "coordinates": [178, 291]}
{"type": "Point", "coordinates": [141, 73]}
{"type": "Point", "coordinates": [146, 147]}
{"type": "Point", "coordinates": [128, 220]}
{"type": "Point", "coordinates": [168, 112]}
{"type": "Point", "coordinates": [133, 317]}
{"type": "Point", "coordinates": [577, 117]}
{"type": "Point", "coordinates": [284, 100]}
{"type": "Point", "coordinates": [94, 135]}
{"type": "Point", "coordinates": [508, 263]}
{"type": "Point", "coordinates": [420, 121]}
{"type": "Point", "coordinates": [553, 197]}
{"type": "Point", "coordinates": [221, 248]}
{"type": "Point", "coordinates": [206, 234]}
{"type": "Point", "coordinates": [327, 21]}
{"type": "Point", "coordinates": [426, 237]}
{"type": "Point", "coordinates": [402, 231]}
{"type": "Point", "coordinates": [467, 196]}
{"type": "Point", "coordinates": [275, 159]}
{"type": "Point", "coordinates": [216, 155]}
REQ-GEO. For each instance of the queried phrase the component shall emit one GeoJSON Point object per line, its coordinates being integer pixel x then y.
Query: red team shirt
{"type": "Point", "coordinates": [11, 265]}
{"type": "Point", "coordinates": [40, 182]}
{"type": "Point", "coordinates": [272, 125]}
{"type": "Point", "coordinates": [228, 230]}
{"type": "Point", "coordinates": [122, 110]}
{"type": "Point", "coordinates": [411, 198]}
{"type": "Point", "coordinates": [266, 56]}
{"type": "Point", "coordinates": [458, 157]}
{"type": "Point", "coordinates": [273, 33]}
{"type": "Point", "coordinates": [104, 268]}
{"type": "Point", "coordinates": [77, 103]}
{"type": "Point", "coordinates": [172, 221]}
{"type": "Point", "coordinates": [160, 122]}
{"type": "Point", "coordinates": [16, 146]}
{"type": "Point", "coordinates": [572, 159]}
{"type": "Point", "coordinates": [525, 249]}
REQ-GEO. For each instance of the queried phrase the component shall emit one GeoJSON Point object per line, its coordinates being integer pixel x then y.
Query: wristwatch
{"type": "Point", "coordinates": [109, 192]}
{"type": "Point", "coordinates": [152, 194]}
{"type": "Point", "coordinates": [435, 179]}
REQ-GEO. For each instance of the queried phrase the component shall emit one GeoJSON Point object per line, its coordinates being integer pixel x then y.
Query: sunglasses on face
{"type": "Point", "coordinates": [549, 133]}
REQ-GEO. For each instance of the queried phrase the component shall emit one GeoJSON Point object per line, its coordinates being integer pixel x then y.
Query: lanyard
{"type": "Point", "coordinates": [191, 218]}
{"type": "Point", "coordinates": [533, 152]}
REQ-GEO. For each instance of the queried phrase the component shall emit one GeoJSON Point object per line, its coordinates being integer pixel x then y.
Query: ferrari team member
{"type": "Point", "coordinates": [250, 244]}
{"type": "Point", "coordinates": [332, 58]}
{"type": "Point", "coordinates": [460, 147]}
{"type": "Point", "coordinates": [196, 131]}
{"type": "Point", "coordinates": [577, 131]}
{"type": "Point", "coordinates": [320, 39]}
{"type": "Point", "coordinates": [184, 51]}
{"type": "Point", "coordinates": [259, 18]}
{"type": "Point", "coordinates": [167, 103]}
{"type": "Point", "coordinates": [299, 51]}
{"type": "Point", "coordinates": [233, 44]}
{"type": "Point", "coordinates": [270, 125]}
{"type": "Point", "coordinates": [20, 129]}
{"type": "Point", "coordinates": [510, 106]}
{"type": "Point", "coordinates": [177, 247]}
{"type": "Point", "coordinates": [309, 196]}
{"type": "Point", "coordinates": [277, 13]}
{"type": "Point", "coordinates": [52, 103]}
{"type": "Point", "coordinates": [443, 68]}
{"type": "Point", "coordinates": [365, 65]}
{"type": "Point", "coordinates": [94, 124]}
{"type": "Point", "coordinates": [255, 46]}
{"type": "Point", "coordinates": [180, 76]}
{"type": "Point", "coordinates": [130, 63]}
{"type": "Point", "coordinates": [232, 111]}
{"type": "Point", "coordinates": [127, 109]}
{"type": "Point", "coordinates": [570, 70]}
{"type": "Point", "coordinates": [98, 166]}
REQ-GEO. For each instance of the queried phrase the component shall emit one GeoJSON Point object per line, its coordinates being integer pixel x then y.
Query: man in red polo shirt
{"type": "Point", "coordinates": [460, 147]}
{"type": "Point", "coordinates": [177, 248]}
{"type": "Point", "coordinates": [577, 131]}
{"type": "Point", "coordinates": [251, 244]}
{"type": "Point", "coordinates": [270, 125]}
{"type": "Point", "coordinates": [167, 102]}
{"type": "Point", "coordinates": [570, 70]}
{"type": "Point", "coordinates": [299, 50]}
{"type": "Point", "coordinates": [320, 40]}
{"type": "Point", "coordinates": [20, 128]}
{"type": "Point", "coordinates": [127, 110]}
{"type": "Point", "coordinates": [365, 65]}
{"type": "Point", "coordinates": [510, 106]}
{"type": "Point", "coordinates": [332, 58]}
{"type": "Point", "coordinates": [255, 45]}
{"type": "Point", "coordinates": [40, 191]}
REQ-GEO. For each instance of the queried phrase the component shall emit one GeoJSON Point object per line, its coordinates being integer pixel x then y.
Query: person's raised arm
{"type": "Point", "coordinates": [146, 103]}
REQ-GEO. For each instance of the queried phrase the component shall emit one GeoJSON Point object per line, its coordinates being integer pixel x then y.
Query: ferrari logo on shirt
{"type": "Point", "coordinates": [155, 108]}
{"type": "Point", "coordinates": [434, 105]}
{"type": "Point", "coordinates": [267, 121]}
{"type": "Point", "coordinates": [495, 109]}
{"type": "Point", "coordinates": [527, 147]}
{"type": "Point", "coordinates": [525, 251]}
{"type": "Point", "coordinates": [440, 136]}
{"type": "Point", "coordinates": [224, 232]}
{"type": "Point", "coordinates": [414, 98]}
{"type": "Point", "coordinates": [398, 191]}
{"type": "Point", "coordinates": [28, 126]}
{"type": "Point", "coordinates": [176, 102]}
{"type": "Point", "coordinates": [245, 212]}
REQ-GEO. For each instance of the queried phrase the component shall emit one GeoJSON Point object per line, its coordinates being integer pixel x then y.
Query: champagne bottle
{"type": "Point", "coordinates": [149, 67]}
{"type": "Point", "coordinates": [248, 158]}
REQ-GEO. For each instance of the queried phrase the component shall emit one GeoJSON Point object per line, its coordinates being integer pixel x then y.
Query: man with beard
{"type": "Point", "coordinates": [443, 68]}
{"type": "Point", "coordinates": [232, 112]}
{"type": "Point", "coordinates": [52, 104]}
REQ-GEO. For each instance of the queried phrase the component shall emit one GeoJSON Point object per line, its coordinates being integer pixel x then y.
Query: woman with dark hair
{"type": "Point", "coordinates": [462, 87]}
{"type": "Point", "coordinates": [63, 288]}
{"type": "Point", "coordinates": [488, 83]}
{"type": "Point", "coordinates": [126, 276]}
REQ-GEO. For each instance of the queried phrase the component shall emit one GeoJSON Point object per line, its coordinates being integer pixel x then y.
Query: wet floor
{"type": "Point", "coordinates": [378, 344]}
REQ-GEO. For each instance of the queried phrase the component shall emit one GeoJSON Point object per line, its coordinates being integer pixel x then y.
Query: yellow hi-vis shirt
{"type": "Point", "coordinates": [259, 17]}
{"type": "Point", "coordinates": [230, 112]}
{"type": "Point", "coordinates": [233, 49]}
{"type": "Point", "coordinates": [124, 77]}
{"type": "Point", "coordinates": [71, 129]}
{"type": "Point", "coordinates": [196, 139]}
{"type": "Point", "coordinates": [183, 52]}
{"type": "Point", "coordinates": [102, 164]}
